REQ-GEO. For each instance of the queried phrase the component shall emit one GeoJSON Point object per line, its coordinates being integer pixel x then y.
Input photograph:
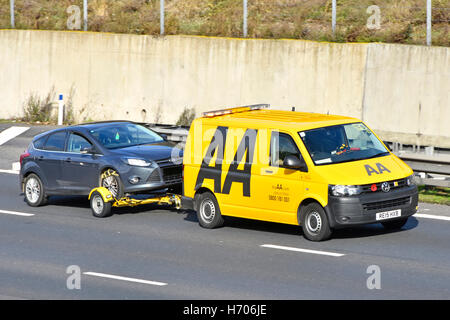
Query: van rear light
{"type": "Point", "coordinates": [23, 156]}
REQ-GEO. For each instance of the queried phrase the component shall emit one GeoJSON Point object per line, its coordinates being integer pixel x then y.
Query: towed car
{"type": "Point", "coordinates": [124, 157]}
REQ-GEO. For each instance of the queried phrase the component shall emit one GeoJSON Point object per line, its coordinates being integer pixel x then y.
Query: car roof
{"type": "Point", "coordinates": [84, 127]}
{"type": "Point", "coordinates": [279, 119]}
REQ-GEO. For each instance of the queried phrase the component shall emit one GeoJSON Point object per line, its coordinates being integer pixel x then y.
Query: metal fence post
{"type": "Point", "coordinates": [12, 14]}
{"type": "Point", "coordinates": [428, 22]}
{"type": "Point", "coordinates": [333, 17]}
{"type": "Point", "coordinates": [244, 24]}
{"type": "Point", "coordinates": [161, 16]}
{"type": "Point", "coordinates": [85, 14]}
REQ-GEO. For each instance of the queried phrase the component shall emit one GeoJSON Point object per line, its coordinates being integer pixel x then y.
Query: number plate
{"type": "Point", "coordinates": [389, 214]}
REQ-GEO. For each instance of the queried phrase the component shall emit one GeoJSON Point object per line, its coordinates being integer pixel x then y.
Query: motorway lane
{"type": "Point", "coordinates": [168, 246]}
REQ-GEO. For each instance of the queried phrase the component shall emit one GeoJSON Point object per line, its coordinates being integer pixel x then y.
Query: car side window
{"type": "Point", "coordinates": [39, 143]}
{"type": "Point", "coordinates": [282, 145]}
{"type": "Point", "coordinates": [76, 143]}
{"type": "Point", "coordinates": [56, 141]}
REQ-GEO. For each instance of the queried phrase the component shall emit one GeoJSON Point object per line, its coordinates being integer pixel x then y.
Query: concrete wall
{"type": "Point", "coordinates": [119, 76]}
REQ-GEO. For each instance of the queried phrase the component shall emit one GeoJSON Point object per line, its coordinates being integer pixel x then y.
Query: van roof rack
{"type": "Point", "coordinates": [222, 112]}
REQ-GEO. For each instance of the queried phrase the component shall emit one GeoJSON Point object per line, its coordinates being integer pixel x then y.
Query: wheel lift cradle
{"type": "Point", "coordinates": [102, 201]}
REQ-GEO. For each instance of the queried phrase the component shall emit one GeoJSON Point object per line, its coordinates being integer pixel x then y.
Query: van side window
{"type": "Point", "coordinates": [282, 145]}
{"type": "Point", "coordinates": [56, 141]}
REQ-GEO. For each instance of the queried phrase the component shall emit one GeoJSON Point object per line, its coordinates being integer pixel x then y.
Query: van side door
{"type": "Point", "coordinates": [283, 186]}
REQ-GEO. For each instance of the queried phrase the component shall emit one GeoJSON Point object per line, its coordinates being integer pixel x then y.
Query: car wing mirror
{"type": "Point", "coordinates": [88, 150]}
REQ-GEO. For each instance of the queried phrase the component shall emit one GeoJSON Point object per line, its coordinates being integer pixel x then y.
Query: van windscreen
{"type": "Point", "coordinates": [342, 143]}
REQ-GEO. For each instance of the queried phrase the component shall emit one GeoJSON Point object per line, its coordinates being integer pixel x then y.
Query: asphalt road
{"type": "Point", "coordinates": [161, 253]}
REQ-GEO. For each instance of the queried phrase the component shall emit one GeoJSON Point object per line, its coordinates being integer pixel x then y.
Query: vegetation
{"type": "Point", "coordinates": [37, 109]}
{"type": "Point", "coordinates": [434, 195]}
{"type": "Point", "coordinates": [186, 117]}
{"type": "Point", "coordinates": [402, 21]}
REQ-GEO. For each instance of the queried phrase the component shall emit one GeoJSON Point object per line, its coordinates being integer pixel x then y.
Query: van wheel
{"type": "Point", "coordinates": [208, 211]}
{"type": "Point", "coordinates": [315, 223]}
{"type": "Point", "coordinates": [395, 224]}
{"type": "Point", "coordinates": [34, 191]}
{"type": "Point", "coordinates": [110, 179]}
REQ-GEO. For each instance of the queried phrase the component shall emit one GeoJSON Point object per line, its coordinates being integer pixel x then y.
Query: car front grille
{"type": "Point", "coordinates": [154, 177]}
{"type": "Point", "coordinates": [172, 174]}
{"type": "Point", "coordinates": [388, 204]}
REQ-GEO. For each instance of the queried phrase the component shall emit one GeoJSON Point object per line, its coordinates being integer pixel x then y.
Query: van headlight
{"type": "Point", "coordinates": [343, 190]}
{"type": "Point", "coordinates": [410, 180]}
{"type": "Point", "coordinates": [137, 162]}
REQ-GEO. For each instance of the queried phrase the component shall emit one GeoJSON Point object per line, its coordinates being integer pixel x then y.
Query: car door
{"type": "Point", "coordinates": [50, 157]}
{"type": "Point", "coordinates": [79, 168]}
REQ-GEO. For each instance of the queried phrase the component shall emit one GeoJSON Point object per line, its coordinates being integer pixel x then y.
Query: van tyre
{"type": "Point", "coordinates": [34, 191]}
{"type": "Point", "coordinates": [100, 208]}
{"type": "Point", "coordinates": [314, 222]}
{"type": "Point", "coordinates": [208, 211]}
{"type": "Point", "coordinates": [394, 224]}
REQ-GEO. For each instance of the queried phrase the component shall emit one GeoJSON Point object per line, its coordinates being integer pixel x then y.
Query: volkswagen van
{"type": "Point", "coordinates": [321, 172]}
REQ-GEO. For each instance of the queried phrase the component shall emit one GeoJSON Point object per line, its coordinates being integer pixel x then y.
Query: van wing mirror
{"type": "Point", "coordinates": [293, 162]}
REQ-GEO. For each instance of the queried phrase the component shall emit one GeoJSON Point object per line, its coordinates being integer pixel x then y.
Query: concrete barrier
{"type": "Point", "coordinates": [152, 79]}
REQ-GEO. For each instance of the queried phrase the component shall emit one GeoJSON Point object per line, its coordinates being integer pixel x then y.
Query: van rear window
{"type": "Point", "coordinates": [342, 143]}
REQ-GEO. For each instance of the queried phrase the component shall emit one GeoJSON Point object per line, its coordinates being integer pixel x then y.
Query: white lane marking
{"type": "Point", "coordinates": [16, 166]}
{"type": "Point", "coordinates": [431, 216]}
{"type": "Point", "coordinates": [11, 133]}
{"type": "Point", "coordinates": [9, 171]}
{"type": "Point", "coordinates": [110, 276]}
{"type": "Point", "coordinates": [325, 253]}
{"type": "Point", "coordinates": [17, 213]}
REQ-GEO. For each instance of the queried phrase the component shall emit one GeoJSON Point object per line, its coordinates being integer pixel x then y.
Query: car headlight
{"type": "Point", "coordinates": [342, 190]}
{"type": "Point", "coordinates": [137, 162]}
{"type": "Point", "coordinates": [410, 180]}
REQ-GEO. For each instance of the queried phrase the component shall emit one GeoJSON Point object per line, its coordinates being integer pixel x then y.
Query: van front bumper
{"type": "Point", "coordinates": [362, 209]}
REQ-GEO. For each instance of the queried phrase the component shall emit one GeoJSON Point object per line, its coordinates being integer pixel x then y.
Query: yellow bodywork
{"type": "Point", "coordinates": [275, 194]}
{"type": "Point", "coordinates": [168, 199]}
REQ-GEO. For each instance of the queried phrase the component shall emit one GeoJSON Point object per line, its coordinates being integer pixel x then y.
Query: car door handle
{"type": "Point", "coordinates": [41, 158]}
{"type": "Point", "coordinates": [68, 160]}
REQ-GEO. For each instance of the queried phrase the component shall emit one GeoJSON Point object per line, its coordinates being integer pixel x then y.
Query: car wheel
{"type": "Point", "coordinates": [100, 208]}
{"type": "Point", "coordinates": [110, 179]}
{"type": "Point", "coordinates": [208, 211]}
{"type": "Point", "coordinates": [395, 224]}
{"type": "Point", "coordinates": [315, 223]}
{"type": "Point", "coordinates": [34, 191]}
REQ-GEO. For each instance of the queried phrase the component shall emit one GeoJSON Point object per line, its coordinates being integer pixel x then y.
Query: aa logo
{"type": "Point", "coordinates": [380, 168]}
{"type": "Point", "coordinates": [235, 175]}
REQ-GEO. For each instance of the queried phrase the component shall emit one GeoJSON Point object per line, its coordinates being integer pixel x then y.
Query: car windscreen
{"type": "Point", "coordinates": [124, 135]}
{"type": "Point", "coordinates": [342, 143]}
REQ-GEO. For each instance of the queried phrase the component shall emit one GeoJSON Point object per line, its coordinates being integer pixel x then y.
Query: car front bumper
{"type": "Point", "coordinates": [363, 208]}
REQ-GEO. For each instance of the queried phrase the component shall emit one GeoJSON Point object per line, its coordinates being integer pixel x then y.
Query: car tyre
{"type": "Point", "coordinates": [208, 211]}
{"type": "Point", "coordinates": [314, 222]}
{"type": "Point", "coordinates": [110, 179]}
{"type": "Point", "coordinates": [34, 191]}
{"type": "Point", "coordinates": [394, 224]}
{"type": "Point", "coordinates": [100, 208]}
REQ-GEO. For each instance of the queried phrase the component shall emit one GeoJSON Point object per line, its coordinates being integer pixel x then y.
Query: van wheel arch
{"type": "Point", "coordinates": [306, 202]}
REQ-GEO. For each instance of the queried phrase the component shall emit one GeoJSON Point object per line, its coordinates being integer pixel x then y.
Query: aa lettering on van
{"type": "Point", "coordinates": [380, 168]}
{"type": "Point", "coordinates": [247, 147]}
{"type": "Point", "coordinates": [217, 145]}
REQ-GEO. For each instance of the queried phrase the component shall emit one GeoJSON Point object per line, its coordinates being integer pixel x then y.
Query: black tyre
{"type": "Point", "coordinates": [110, 179]}
{"type": "Point", "coordinates": [208, 211]}
{"type": "Point", "coordinates": [34, 191]}
{"type": "Point", "coordinates": [100, 208]}
{"type": "Point", "coordinates": [395, 224]}
{"type": "Point", "coordinates": [314, 222]}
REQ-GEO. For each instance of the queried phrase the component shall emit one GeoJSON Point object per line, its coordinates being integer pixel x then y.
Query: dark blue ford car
{"type": "Point", "coordinates": [125, 157]}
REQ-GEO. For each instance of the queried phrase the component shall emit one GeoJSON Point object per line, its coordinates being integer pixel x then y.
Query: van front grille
{"type": "Point", "coordinates": [388, 204]}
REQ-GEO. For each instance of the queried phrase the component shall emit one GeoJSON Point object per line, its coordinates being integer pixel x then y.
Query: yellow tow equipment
{"type": "Point", "coordinates": [102, 201]}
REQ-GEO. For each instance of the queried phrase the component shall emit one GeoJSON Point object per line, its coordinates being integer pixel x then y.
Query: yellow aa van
{"type": "Point", "coordinates": [321, 172]}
